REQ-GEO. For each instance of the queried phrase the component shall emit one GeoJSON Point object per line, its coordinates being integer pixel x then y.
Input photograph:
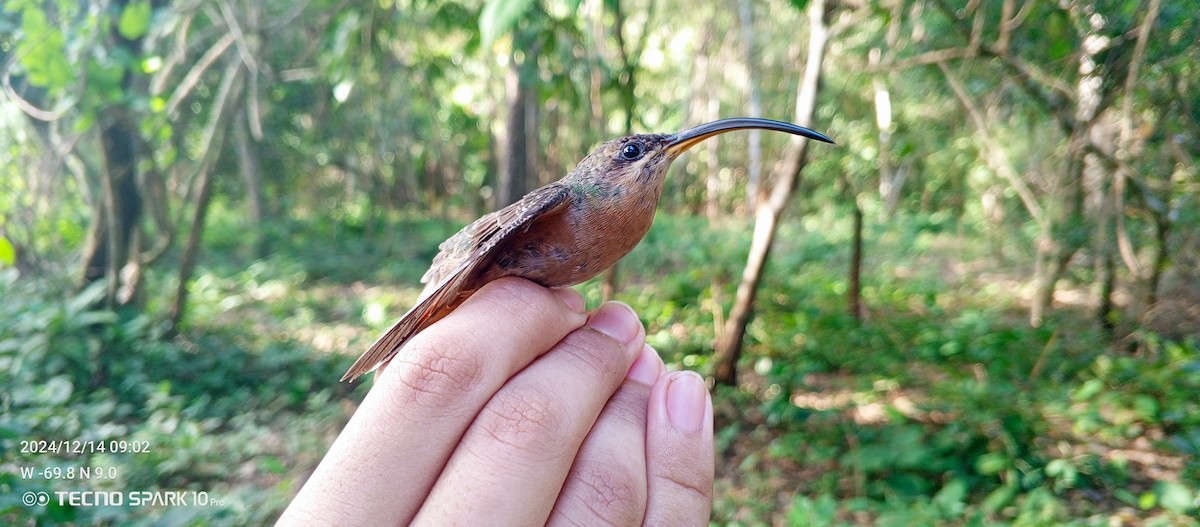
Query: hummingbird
{"type": "Point", "coordinates": [561, 234]}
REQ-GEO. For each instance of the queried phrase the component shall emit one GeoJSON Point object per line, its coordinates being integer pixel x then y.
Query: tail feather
{"type": "Point", "coordinates": [431, 308]}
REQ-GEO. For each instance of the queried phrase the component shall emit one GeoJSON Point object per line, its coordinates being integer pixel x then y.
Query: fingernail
{"type": "Point", "coordinates": [647, 367]}
{"type": "Point", "coordinates": [617, 321]}
{"type": "Point", "coordinates": [570, 297]}
{"type": "Point", "coordinates": [687, 399]}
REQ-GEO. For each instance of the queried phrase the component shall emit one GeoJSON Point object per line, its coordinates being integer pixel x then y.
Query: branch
{"type": "Point", "coordinates": [644, 36]}
{"type": "Point", "coordinates": [174, 57]}
{"type": "Point", "coordinates": [1012, 23]}
{"type": "Point", "coordinates": [976, 24]}
{"type": "Point", "coordinates": [851, 19]}
{"type": "Point", "coordinates": [236, 30]}
{"type": "Point", "coordinates": [298, 8]}
{"type": "Point", "coordinates": [1051, 91]}
{"type": "Point", "coordinates": [997, 159]}
{"type": "Point", "coordinates": [253, 113]}
{"type": "Point", "coordinates": [1006, 27]}
{"type": "Point", "coordinates": [193, 76]}
{"type": "Point", "coordinates": [1124, 246]}
{"type": "Point", "coordinates": [924, 59]}
{"type": "Point", "coordinates": [219, 114]}
{"type": "Point", "coordinates": [29, 108]}
{"type": "Point", "coordinates": [253, 116]}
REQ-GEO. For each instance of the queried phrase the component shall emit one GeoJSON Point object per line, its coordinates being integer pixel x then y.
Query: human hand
{"type": "Point", "coordinates": [519, 409]}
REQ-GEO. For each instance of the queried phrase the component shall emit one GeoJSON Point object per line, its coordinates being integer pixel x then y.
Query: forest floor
{"type": "Point", "coordinates": [942, 406]}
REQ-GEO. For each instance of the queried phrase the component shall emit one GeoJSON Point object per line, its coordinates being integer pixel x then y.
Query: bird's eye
{"type": "Point", "coordinates": [632, 152]}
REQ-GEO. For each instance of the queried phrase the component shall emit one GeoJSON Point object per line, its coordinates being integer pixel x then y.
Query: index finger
{"type": "Point", "coordinates": [388, 456]}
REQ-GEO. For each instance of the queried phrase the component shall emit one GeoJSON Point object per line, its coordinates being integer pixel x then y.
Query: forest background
{"type": "Point", "coordinates": [980, 308]}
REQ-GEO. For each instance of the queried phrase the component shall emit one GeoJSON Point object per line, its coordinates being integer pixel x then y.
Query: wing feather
{"type": "Point", "coordinates": [465, 255]}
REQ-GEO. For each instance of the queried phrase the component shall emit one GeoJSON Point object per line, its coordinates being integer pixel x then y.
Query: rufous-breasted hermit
{"type": "Point", "coordinates": [561, 234]}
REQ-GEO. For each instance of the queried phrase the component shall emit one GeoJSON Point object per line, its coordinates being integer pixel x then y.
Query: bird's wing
{"type": "Point", "coordinates": [493, 228]}
{"type": "Point", "coordinates": [465, 255]}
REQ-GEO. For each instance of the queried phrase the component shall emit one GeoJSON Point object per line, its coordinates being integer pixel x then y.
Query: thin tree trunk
{"type": "Point", "coordinates": [627, 84]}
{"type": "Point", "coordinates": [1162, 228]}
{"type": "Point", "coordinates": [119, 211]}
{"type": "Point", "coordinates": [1067, 235]}
{"type": "Point", "coordinates": [700, 110]}
{"type": "Point", "coordinates": [215, 138]}
{"type": "Point", "coordinates": [890, 179]}
{"type": "Point", "coordinates": [855, 293]}
{"type": "Point", "coordinates": [1126, 140]}
{"type": "Point", "coordinates": [1108, 280]}
{"type": "Point", "coordinates": [123, 199]}
{"type": "Point", "coordinates": [514, 170]}
{"type": "Point", "coordinates": [713, 189]}
{"type": "Point", "coordinates": [252, 177]}
{"type": "Point", "coordinates": [1125, 153]}
{"type": "Point", "coordinates": [608, 283]}
{"type": "Point", "coordinates": [729, 348]}
{"type": "Point", "coordinates": [753, 108]}
{"type": "Point", "coordinates": [889, 184]}
{"type": "Point", "coordinates": [533, 143]}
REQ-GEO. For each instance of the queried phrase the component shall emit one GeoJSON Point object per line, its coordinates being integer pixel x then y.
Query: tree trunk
{"type": "Point", "coordinates": [753, 108]}
{"type": "Point", "coordinates": [1162, 253]}
{"type": "Point", "coordinates": [1068, 231]}
{"type": "Point", "coordinates": [713, 189]}
{"type": "Point", "coordinates": [889, 180]}
{"type": "Point", "coordinates": [855, 292]}
{"type": "Point", "coordinates": [627, 86]}
{"type": "Point", "coordinates": [214, 140]}
{"type": "Point", "coordinates": [705, 107]}
{"type": "Point", "coordinates": [729, 347]}
{"type": "Point", "coordinates": [1106, 314]}
{"type": "Point", "coordinates": [533, 124]}
{"type": "Point", "coordinates": [514, 169]}
{"type": "Point", "coordinates": [251, 171]}
{"type": "Point", "coordinates": [609, 283]}
{"type": "Point", "coordinates": [119, 211]}
{"type": "Point", "coordinates": [889, 184]}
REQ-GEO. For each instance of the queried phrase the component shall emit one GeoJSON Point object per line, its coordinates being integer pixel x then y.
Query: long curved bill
{"type": "Point", "coordinates": [680, 142]}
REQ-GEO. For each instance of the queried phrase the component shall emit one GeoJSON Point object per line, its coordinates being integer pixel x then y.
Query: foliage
{"type": "Point", "coordinates": [206, 409]}
{"type": "Point", "coordinates": [945, 409]}
{"type": "Point", "coordinates": [357, 135]}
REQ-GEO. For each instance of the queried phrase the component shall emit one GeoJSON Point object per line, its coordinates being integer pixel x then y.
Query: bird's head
{"type": "Point", "coordinates": [645, 158]}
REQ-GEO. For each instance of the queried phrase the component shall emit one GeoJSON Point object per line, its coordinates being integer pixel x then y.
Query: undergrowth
{"type": "Point", "coordinates": [941, 406]}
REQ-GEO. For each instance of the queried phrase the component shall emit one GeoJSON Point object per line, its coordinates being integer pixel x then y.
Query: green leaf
{"type": "Point", "coordinates": [999, 498]}
{"type": "Point", "coordinates": [56, 390]}
{"type": "Point", "coordinates": [43, 52]}
{"type": "Point", "coordinates": [271, 464]}
{"type": "Point", "coordinates": [135, 20]}
{"type": "Point", "coordinates": [1174, 496]}
{"type": "Point", "coordinates": [8, 255]}
{"type": "Point", "coordinates": [499, 16]}
{"type": "Point", "coordinates": [953, 495]}
{"type": "Point", "coordinates": [1146, 407]}
{"type": "Point", "coordinates": [991, 463]}
{"type": "Point", "coordinates": [60, 512]}
{"type": "Point", "coordinates": [1147, 501]}
{"type": "Point", "coordinates": [1088, 390]}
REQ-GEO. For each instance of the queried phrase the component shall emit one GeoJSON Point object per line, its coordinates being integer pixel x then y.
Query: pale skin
{"type": "Point", "coordinates": [519, 408]}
